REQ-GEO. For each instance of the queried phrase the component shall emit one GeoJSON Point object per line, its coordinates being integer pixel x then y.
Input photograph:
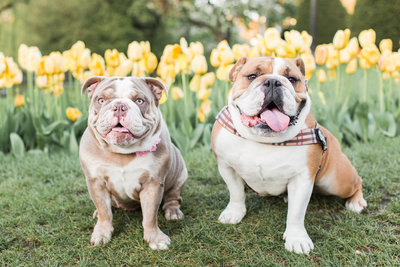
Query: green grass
{"type": "Point", "coordinates": [46, 218]}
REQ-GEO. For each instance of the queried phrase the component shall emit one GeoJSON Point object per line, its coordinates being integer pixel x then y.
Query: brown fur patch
{"type": "Point", "coordinates": [214, 133]}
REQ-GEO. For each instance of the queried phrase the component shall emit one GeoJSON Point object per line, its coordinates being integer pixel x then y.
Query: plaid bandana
{"type": "Point", "coordinates": [305, 137]}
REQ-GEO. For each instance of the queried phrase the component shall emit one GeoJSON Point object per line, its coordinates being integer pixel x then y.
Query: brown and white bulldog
{"type": "Point", "coordinates": [127, 156]}
{"type": "Point", "coordinates": [270, 109]}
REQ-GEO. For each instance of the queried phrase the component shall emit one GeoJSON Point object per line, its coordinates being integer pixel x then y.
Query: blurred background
{"type": "Point", "coordinates": [55, 25]}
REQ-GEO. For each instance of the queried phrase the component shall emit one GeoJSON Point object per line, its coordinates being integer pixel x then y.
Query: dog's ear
{"type": "Point", "coordinates": [157, 87]}
{"type": "Point", "coordinates": [91, 84]}
{"type": "Point", "coordinates": [236, 68]}
{"type": "Point", "coordinates": [300, 64]}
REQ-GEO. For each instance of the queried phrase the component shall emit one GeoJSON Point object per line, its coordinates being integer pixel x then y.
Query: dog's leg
{"type": "Point", "coordinates": [173, 199]}
{"type": "Point", "coordinates": [295, 236]}
{"type": "Point", "coordinates": [236, 209]}
{"type": "Point", "coordinates": [102, 200]}
{"type": "Point", "coordinates": [150, 200]}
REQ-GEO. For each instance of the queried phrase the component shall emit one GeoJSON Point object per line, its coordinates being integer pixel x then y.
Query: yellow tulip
{"type": "Point", "coordinates": [341, 39]}
{"type": "Point", "coordinates": [41, 81]}
{"type": "Point", "coordinates": [344, 56]}
{"type": "Point", "coordinates": [146, 49]}
{"type": "Point", "coordinates": [364, 64]}
{"type": "Point", "coordinates": [290, 50]}
{"type": "Point", "coordinates": [226, 57]}
{"type": "Point", "coordinates": [351, 66]}
{"type": "Point", "coordinates": [321, 75]}
{"type": "Point", "coordinates": [84, 59]}
{"type": "Point", "coordinates": [333, 57]}
{"type": "Point", "coordinates": [151, 63]}
{"type": "Point", "coordinates": [367, 37]}
{"type": "Point", "coordinates": [199, 65]}
{"type": "Point", "coordinates": [135, 51]}
{"type": "Point", "coordinates": [204, 110]}
{"type": "Point", "coordinates": [386, 45]}
{"type": "Point", "coordinates": [73, 114]}
{"type": "Point", "coordinates": [203, 94]}
{"type": "Point", "coordinates": [272, 38]}
{"type": "Point", "coordinates": [184, 44]}
{"type": "Point", "coordinates": [97, 65]}
{"type": "Point", "coordinates": [207, 80]}
{"type": "Point", "coordinates": [294, 38]}
{"type": "Point", "coordinates": [240, 50]}
{"type": "Point", "coordinates": [321, 54]}
{"type": "Point", "coordinates": [307, 42]}
{"type": "Point", "coordinates": [19, 100]}
{"type": "Point", "coordinates": [370, 53]}
{"type": "Point", "coordinates": [253, 52]}
{"type": "Point", "coordinates": [112, 58]}
{"type": "Point", "coordinates": [124, 67]}
{"type": "Point", "coordinates": [223, 72]}
{"type": "Point", "coordinates": [262, 45]}
{"type": "Point", "coordinates": [29, 57]}
{"type": "Point", "coordinates": [387, 62]}
{"type": "Point", "coordinates": [10, 73]}
{"type": "Point", "coordinates": [353, 47]}
{"type": "Point", "coordinates": [194, 84]}
{"type": "Point", "coordinates": [214, 58]}
{"type": "Point", "coordinates": [48, 65]}
{"type": "Point", "coordinates": [196, 48]}
{"type": "Point", "coordinates": [309, 63]}
{"type": "Point", "coordinates": [177, 93]}
{"type": "Point", "coordinates": [163, 98]}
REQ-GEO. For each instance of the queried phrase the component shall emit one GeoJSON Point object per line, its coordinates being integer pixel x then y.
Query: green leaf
{"type": "Point", "coordinates": [73, 144]}
{"type": "Point", "coordinates": [49, 129]}
{"type": "Point", "coordinates": [17, 145]}
{"type": "Point", "coordinates": [196, 135]}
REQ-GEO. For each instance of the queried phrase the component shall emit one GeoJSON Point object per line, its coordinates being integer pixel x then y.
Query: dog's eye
{"type": "Point", "coordinates": [101, 100]}
{"type": "Point", "coordinates": [139, 101]}
{"type": "Point", "coordinates": [252, 76]}
{"type": "Point", "coordinates": [292, 80]}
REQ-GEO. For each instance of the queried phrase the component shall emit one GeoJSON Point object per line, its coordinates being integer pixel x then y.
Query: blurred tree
{"type": "Point", "coordinates": [218, 17]}
{"type": "Point", "coordinates": [101, 24]}
{"type": "Point", "coordinates": [331, 16]}
{"type": "Point", "coordinates": [382, 16]}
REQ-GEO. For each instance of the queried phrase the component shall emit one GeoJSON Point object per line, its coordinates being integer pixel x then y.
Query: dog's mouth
{"type": "Point", "coordinates": [120, 129]}
{"type": "Point", "coordinates": [271, 117]}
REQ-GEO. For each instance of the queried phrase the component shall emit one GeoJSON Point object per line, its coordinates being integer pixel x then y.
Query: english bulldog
{"type": "Point", "coordinates": [267, 137]}
{"type": "Point", "coordinates": [127, 156]}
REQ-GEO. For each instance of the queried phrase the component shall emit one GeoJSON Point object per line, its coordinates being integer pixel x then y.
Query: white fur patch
{"type": "Point", "coordinates": [279, 63]}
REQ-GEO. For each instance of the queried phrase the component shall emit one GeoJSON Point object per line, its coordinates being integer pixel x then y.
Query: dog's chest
{"type": "Point", "coordinates": [125, 183]}
{"type": "Point", "coordinates": [267, 169]}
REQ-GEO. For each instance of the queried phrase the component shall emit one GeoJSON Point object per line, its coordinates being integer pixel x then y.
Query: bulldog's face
{"type": "Point", "coordinates": [123, 113]}
{"type": "Point", "coordinates": [269, 97]}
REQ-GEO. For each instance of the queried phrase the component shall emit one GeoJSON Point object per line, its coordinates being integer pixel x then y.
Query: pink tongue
{"type": "Point", "coordinates": [275, 119]}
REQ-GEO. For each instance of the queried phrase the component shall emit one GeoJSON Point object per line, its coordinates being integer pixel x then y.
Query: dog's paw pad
{"type": "Point", "coordinates": [157, 240]}
{"type": "Point", "coordinates": [173, 214]}
{"type": "Point", "coordinates": [356, 205]}
{"type": "Point", "coordinates": [232, 215]}
{"type": "Point", "coordinates": [101, 235]}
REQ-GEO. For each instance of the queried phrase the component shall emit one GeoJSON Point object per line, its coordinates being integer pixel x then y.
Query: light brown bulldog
{"type": "Point", "coordinates": [127, 156]}
{"type": "Point", "coordinates": [268, 138]}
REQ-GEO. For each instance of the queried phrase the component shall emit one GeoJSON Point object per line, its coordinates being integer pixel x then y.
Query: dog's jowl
{"type": "Point", "coordinates": [128, 158]}
{"type": "Point", "coordinates": [268, 138]}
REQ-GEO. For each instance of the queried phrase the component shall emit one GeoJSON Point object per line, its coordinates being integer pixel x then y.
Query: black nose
{"type": "Point", "coordinates": [272, 83]}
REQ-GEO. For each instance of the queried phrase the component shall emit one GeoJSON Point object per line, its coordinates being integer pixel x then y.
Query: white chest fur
{"type": "Point", "coordinates": [124, 181]}
{"type": "Point", "coordinates": [267, 169]}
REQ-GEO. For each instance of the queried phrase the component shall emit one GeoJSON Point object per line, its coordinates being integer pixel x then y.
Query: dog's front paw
{"type": "Point", "coordinates": [173, 213]}
{"type": "Point", "coordinates": [157, 239]}
{"type": "Point", "coordinates": [101, 233]}
{"type": "Point", "coordinates": [232, 214]}
{"type": "Point", "coordinates": [297, 240]}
